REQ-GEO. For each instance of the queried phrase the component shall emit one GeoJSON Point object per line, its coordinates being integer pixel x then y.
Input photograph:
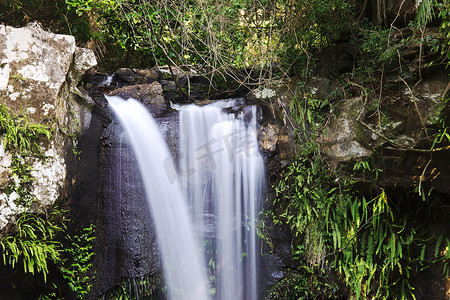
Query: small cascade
{"type": "Point", "coordinates": [222, 175]}
{"type": "Point", "coordinates": [181, 256]}
{"type": "Point", "coordinates": [107, 80]}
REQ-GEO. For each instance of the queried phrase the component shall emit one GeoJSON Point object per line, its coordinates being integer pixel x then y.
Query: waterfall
{"type": "Point", "coordinates": [181, 256]}
{"type": "Point", "coordinates": [222, 176]}
{"type": "Point", "coordinates": [212, 196]}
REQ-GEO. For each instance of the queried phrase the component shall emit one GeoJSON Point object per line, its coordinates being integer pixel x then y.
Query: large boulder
{"type": "Point", "coordinates": [399, 132]}
{"type": "Point", "coordinates": [39, 73]}
{"type": "Point", "coordinates": [341, 140]}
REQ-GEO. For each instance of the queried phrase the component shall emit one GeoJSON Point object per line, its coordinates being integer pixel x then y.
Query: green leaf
{"type": "Point", "coordinates": [422, 253]}
{"type": "Point", "coordinates": [370, 247]}
{"type": "Point", "coordinates": [438, 245]}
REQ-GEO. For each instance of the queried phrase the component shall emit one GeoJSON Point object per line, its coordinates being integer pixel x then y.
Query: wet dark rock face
{"type": "Point", "coordinates": [127, 246]}
{"type": "Point", "coordinates": [109, 191]}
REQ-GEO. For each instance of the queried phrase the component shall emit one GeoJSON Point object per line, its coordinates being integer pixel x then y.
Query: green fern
{"type": "Point", "coordinates": [425, 12]}
{"type": "Point", "coordinates": [20, 135]}
{"type": "Point", "coordinates": [75, 270]}
{"type": "Point", "coordinates": [32, 242]}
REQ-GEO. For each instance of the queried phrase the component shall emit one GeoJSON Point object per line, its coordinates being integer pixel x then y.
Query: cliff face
{"type": "Point", "coordinates": [401, 127]}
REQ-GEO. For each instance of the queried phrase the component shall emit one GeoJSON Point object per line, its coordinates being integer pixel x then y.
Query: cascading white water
{"type": "Point", "coordinates": [184, 267]}
{"type": "Point", "coordinates": [222, 175]}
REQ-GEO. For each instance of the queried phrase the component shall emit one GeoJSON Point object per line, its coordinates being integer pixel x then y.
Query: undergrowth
{"type": "Point", "coordinates": [33, 241]}
{"type": "Point", "coordinates": [370, 244]}
{"type": "Point", "coordinates": [145, 287]}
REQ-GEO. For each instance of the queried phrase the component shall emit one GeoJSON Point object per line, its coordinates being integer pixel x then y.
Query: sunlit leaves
{"type": "Point", "coordinates": [32, 243]}
{"type": "Point", "coordinates": [21, 135]}
{"type": "Point", "coordinates": [218, 34]}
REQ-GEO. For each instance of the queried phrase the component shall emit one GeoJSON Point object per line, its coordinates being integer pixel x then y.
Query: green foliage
{"type": "Point", "coordinates": [374, 249]}
{"type": "Point", "coordinates": [369, 249]}
{"type": "Point", "coordinates": [322, 23]}
{"type": "Point", "coordinates": [165, 31]}
{"type": "Point", "coordinates": [15, 4]}
{"type": "Point", "coordinates": [441, 136]}
{"type": "Point", "coordinates": [445, 257]}
{"type": "Point", "coordinates": [302, 284]}
{"type": "Point", "coordinates": [21, 136]}
{"type": "Point", "coordinates": [217, 34]}
{"type": "Point", "coordinates": [378, 49]}
{"type": "Point", "coordinates": [309, 111]}
{"type": "Point", "coordinates": [79, 263]}
{"type": "Point", "coordinates": [220, 35]}
{"type": "Point", "coordinates": [51, 14]}
{"type": "Point", "coordinates": [96, 14]}
{"type": "Point", "coordinates": [425, 12]}
{"type": "Point", "coordinates": [375, 46]}
{"type": "Point", "coordinates": [210, 251]}
{"type": "Point", "coordinates": [50, 296]}
{"type": "Point", "coordinates": [32, 242]}
{"type": "Point", "coordinates": [137, 288]}
{"type": "Point", "coordinates": [75, 266]}
{"type": "Point", "coordinates": [82, 6]}
{"type": "Point", "coordinates": [23, 139]}
{"type": "Point", "coordinates": [364, 166]}
{"type": "Point", "coordinates": [444, 14]}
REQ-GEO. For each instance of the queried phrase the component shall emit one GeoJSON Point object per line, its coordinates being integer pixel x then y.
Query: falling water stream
{"type": "Point", "coordinates": [223, 173]}
{"type": "Point", "coordinates": [180, 252]}
{"type": "Point", "coordinates": [212, 200]}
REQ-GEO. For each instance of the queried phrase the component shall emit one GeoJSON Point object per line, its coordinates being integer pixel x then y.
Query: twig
{"type": "Point", "coordinates": [446, 90]}
{"type": "Point", "coordinates": [361, 112]}
{"type": "Point", "coordinates": [422, 176]}
{"type": "Point", "coordinates": [421, 53]}
{"type": "Point", "coordinates": [417, 111]}
{"type": "Point", "coordinates": [420, 150]}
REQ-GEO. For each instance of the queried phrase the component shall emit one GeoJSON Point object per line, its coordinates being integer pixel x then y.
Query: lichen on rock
{"type": "Point", "coordinates": [49, 173]}
{"type": "Point", "coordinates": [264, 93]}
{"type": "Point", "coordinates": [340, 140]}
{"type": "Point", "coordinates": [8, 208]}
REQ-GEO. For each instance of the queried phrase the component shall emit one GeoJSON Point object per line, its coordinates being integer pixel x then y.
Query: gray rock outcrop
{"type": "Point", "coordinates": [39, 73]}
